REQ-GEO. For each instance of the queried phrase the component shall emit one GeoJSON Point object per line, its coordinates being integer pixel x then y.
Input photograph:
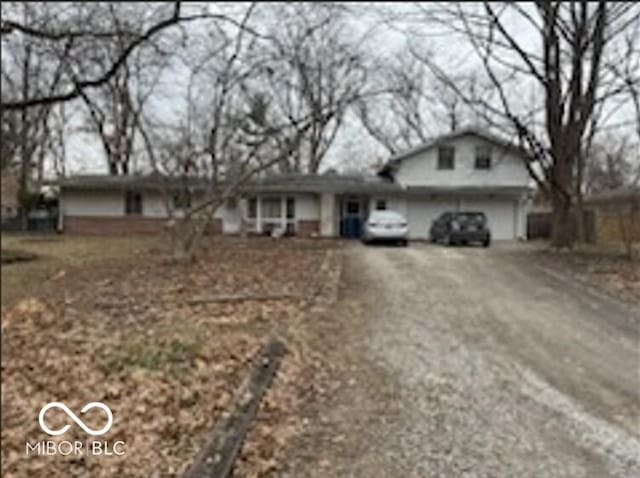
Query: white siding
{"type": "Point", "coordinates": [328, 215]}
{"type": "Point", "coordinates": [231, 217]}
{"type": "Point", "coordinates": [93, 203]}
{"type": "Point", "coordinates": [307, 206]}
{"type": "Point", "coordinates": [501, 215]}
{"type": "Point", "coordinates": [394, 203]}
{"type": "Point", "coordinates": [153, 204]}
{"type": "Point", "coordinates": [112, 203]}
{"type": "Point", "coordinates": [421, 169]}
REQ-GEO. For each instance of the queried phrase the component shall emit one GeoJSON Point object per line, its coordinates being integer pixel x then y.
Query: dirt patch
{"type": "Point", "coordinates": [119, 328]}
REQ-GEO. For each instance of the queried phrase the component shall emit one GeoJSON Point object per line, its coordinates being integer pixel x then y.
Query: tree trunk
{"type": "Point", "coordinates": [580, 228]}
{"type": "Point", "coordinates": [180, 241]}
{"type": "Point", "coordinates": [562, 226]}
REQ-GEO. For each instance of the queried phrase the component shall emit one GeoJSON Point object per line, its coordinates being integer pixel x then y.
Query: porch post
{"type": "Point", "coordinates": [327, 222]}
{"type": "Point", "coordinates": [259, 214]}
{"type": "Point", "coordinates": [283, 212]}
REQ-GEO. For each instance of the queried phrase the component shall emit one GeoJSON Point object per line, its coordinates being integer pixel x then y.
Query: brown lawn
{"type": "Point", "coordinates": [113, 320]}
{"type": "Point", "coordinates": [606, 268]}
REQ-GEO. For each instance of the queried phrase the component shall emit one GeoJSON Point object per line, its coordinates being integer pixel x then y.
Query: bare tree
{"type": "Point", "coordinates": [314, 71]}
{"type": "Point", "coordinates": [26, 133]}
{"type": "Point", "coordinates": [626, 68]}
{"type": "Point", "coordinates": [398, 119]}
{"type": "Point", "coordinates": [77, 34]}
{"type": "Point", "coordinates": [611, 165]}
{"type": "Point", "coordinates": [228, 133]}
{"type": "Point", "coordinates": [568, 71]}
{"type": "Point", "coordinates": [114, 109]}
{"type": "Point", "coordinates": [55, 53]}
{"type": "Point", "coordinates": [412, 105]}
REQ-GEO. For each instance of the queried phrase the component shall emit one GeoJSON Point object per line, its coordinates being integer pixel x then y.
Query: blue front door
{"type": "Point", "coordinates": [351, 221]}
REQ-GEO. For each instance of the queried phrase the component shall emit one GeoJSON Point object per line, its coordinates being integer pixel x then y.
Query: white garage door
{"type": "Point", "coordinates": [422, 212]}
{"type": "Point", "coordinates": [500, 214]}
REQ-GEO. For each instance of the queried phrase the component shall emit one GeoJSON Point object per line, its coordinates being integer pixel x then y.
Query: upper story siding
{"type": "Point", "coordinates": [421, 168]}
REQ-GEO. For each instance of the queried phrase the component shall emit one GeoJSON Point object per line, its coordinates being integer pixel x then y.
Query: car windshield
{"type": "Point", "coordinates": [470, 218]}
{"type": "Point", "coordinates": [386, 216]}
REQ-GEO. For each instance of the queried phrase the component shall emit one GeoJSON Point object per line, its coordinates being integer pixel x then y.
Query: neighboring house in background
{"type": "Point", "coordinates": [466, 170]}
{"type": "Point", "coordinates": [9, 195]}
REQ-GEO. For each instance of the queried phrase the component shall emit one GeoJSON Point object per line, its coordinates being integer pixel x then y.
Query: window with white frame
{"type": "Point", "coordinates": [271, 208]}
{"type": "Point", "coordinates": [483, 157]}
{"type": "Point", "coordinates": [269, 213]}
{"type": "Point", "coordinates": [446, 157]}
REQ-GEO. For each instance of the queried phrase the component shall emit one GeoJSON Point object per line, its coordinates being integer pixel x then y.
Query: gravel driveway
{"type": "Point", "coordinates": [472, 362]}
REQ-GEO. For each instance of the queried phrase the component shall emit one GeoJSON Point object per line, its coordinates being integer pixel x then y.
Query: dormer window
{"type": "Point", "coordinates": [446, 157]}
{"type": "Point", "coordinates": [483, 157]}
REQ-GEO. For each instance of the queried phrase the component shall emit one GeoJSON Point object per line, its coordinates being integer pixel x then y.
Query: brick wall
{"type": "Point", "coordinates": [120, 225]}
{"type": "Point", "coordinates": [308, 227]}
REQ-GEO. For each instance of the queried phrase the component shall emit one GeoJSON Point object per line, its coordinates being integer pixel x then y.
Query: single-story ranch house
{"type": "Point", "coordinates": [465, 170]}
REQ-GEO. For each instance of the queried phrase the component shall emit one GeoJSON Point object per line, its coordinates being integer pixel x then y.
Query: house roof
{"type": "Point", "coordinates": [134, 181]}
{"type": "Point", "coordinates": [286, 183]}
{"type": "Point", "coordinates": [438, 140]}
{"type": "Point", "coordinates": [331, 182]}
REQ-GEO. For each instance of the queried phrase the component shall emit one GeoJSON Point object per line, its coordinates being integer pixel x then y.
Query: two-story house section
{"type": "Point", "coordinates": [468, 170]}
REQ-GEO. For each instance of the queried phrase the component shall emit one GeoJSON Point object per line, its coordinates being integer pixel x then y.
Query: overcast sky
{"type": "Point", "coordinates": [354, 147]}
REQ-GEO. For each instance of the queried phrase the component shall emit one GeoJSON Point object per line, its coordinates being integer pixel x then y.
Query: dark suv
{"type": "Point", "coordinates": [461, 228]}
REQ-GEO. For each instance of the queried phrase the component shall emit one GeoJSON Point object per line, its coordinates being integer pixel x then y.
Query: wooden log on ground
{"type": "Point", "coordinates": [239, 298]}
{"type": "Point", "coordinates": [217, 457]}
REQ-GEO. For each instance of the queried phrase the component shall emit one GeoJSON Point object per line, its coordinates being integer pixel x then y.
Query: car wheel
{"type": "Point", "coordinates": [404, 243]}
{"type": "Point", "coordinates": [486, 242]}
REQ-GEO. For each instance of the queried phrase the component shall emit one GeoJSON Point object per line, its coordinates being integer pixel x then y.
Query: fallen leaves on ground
{"type": "Point", "coordinates": [604, 269]}
{"type": "Point", "coordinates": [125, 334]}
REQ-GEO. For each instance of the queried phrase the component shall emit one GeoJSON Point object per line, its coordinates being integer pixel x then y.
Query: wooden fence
{"type": "Point", "coordinates": [539, 225]}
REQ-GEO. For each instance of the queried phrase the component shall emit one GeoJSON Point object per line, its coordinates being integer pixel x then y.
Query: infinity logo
{"type": "Point", "coordinates": [75, 418]}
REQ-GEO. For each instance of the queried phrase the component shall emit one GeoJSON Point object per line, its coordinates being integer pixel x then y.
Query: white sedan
{"type": "Point", "coordinates": [386, 226]}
